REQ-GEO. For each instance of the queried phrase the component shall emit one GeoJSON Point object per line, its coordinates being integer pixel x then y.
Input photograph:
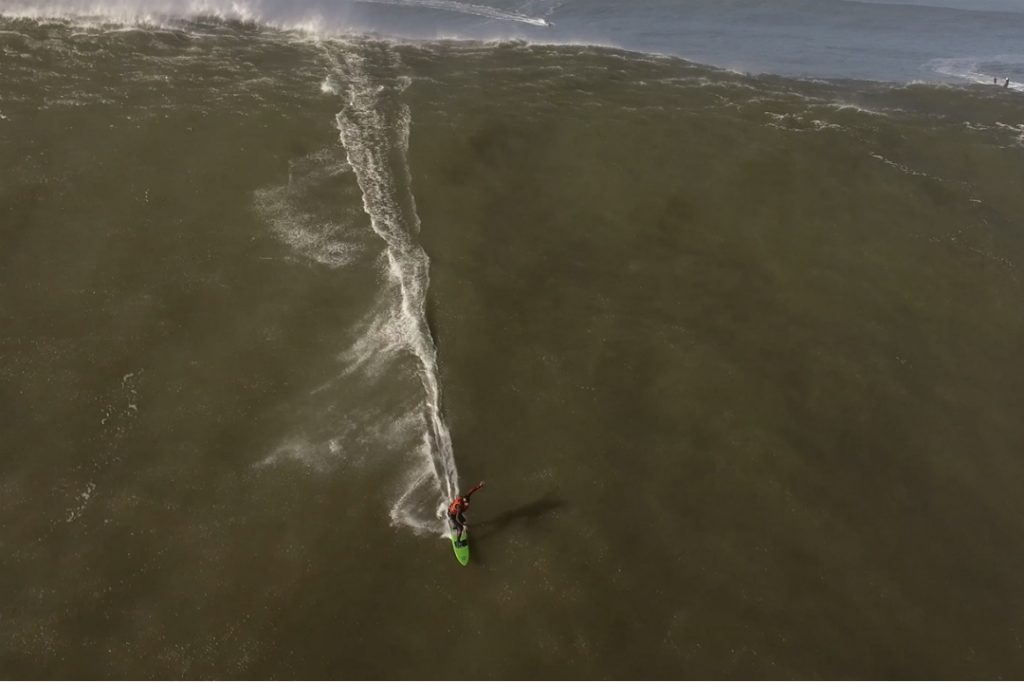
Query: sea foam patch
{"type": "Point", "coordinates": [309, 212]}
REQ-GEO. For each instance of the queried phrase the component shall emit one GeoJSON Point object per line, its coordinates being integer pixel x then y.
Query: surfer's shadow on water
{"type": "Point", "coordinates": [525, 515]}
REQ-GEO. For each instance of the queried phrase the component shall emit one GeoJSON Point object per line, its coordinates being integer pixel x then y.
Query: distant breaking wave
{"type": "Point", "coordinates": [462, 8]}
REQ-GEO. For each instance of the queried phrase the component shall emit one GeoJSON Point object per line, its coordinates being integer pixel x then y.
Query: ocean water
{"type": "Point", "coordinates": [723, 300]}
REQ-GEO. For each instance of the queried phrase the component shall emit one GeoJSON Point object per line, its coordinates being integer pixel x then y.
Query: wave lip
{"type": "Point", "coordinates": [135, 11]}
{"type": "Point", "coordinates": [312, 18]}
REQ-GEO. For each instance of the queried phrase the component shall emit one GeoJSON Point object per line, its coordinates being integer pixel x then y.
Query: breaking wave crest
{"type": "Point", "coordinates": [338, 18]}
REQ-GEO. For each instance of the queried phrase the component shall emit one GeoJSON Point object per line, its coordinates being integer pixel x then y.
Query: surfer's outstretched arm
{"type": "Point", "coordinates": [475, 489]}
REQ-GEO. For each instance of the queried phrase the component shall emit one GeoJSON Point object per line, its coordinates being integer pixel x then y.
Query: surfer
{"type": "Point", "coordinates": [457, 510]}
{"type": "Point", "coordinates": [1007, 84]}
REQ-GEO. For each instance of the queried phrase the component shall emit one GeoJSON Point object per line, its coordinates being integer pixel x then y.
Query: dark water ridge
{"type": "Point", "coordinates": [738, 356]}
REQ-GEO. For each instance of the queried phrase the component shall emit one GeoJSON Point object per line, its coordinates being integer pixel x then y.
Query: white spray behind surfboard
{"type": "Point", "coordinates": [463, 8]}
{"type": "Point", "coordinates": [374, 129]}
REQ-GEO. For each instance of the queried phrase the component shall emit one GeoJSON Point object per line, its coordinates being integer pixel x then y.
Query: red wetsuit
{"type": "Point", "coordinates": [458, 507]}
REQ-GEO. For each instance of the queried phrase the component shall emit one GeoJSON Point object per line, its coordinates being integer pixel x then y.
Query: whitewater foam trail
{"type": "Point", "coordinates": [462, 8]}
{"type": "Point", "coordinates": [982, 71]}
{"type": "Point", "coordinates": [374, 129]}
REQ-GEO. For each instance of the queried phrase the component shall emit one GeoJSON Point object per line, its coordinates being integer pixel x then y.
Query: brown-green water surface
{"type": "Point", "coordinates": [739, 358]}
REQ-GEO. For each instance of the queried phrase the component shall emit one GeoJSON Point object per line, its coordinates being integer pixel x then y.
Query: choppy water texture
{"type": "Point", "coordinates": [739, 357]}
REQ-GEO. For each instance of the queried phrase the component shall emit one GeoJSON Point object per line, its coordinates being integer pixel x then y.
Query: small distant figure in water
{"type": "Point", "coordinates": [995, 81]}
{"type": "Point", "coordinates": [1007, 84]}
{"type": "Point", "coordinates": [457, 510]}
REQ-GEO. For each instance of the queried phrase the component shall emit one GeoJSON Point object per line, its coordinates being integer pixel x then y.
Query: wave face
{"type": "Point", "coordinates": [781, 317]}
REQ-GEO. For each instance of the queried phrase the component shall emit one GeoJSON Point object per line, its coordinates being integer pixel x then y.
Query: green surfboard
{"type": "Point", "coordinates": [461, 547]}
